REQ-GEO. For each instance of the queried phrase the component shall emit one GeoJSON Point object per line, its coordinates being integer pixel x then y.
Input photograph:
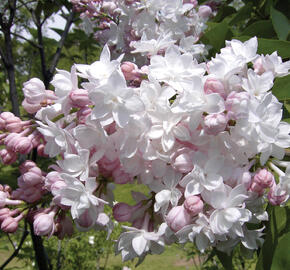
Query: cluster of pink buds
{"type": "Point", "coordinates": [36, 96]}
{"type": "Point", "coordinates": [262, 180]}
{"type": "Point", "coordinates": [9, 219]}
{"type": "Point", "coordinates": [51, 221]}
{"type": "Point", "coordinates": [180, 216]}
{"type": "Point", "coordinates": [30, 183]}
{"type": "Point", "coordinates": [135, 214]}
{"type": "Point", "coordinates": [18, 137]}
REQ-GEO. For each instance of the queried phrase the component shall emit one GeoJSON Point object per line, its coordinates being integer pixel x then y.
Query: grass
{"type": "Point", "coordinates": [172, 259]}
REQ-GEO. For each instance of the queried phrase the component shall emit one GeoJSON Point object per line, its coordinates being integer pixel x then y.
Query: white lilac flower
{"type": "Point", "coordinates": [258, 85]}
{"type": "Point", "coordinates": [230, 212]}
{"type": "Point", "coordinates": [174, 68]}
{"type": "Point", "coordinates": [99, 71]}
{"type": "Point", "coordinates": [165, 127]}
{"type": "Point", "coordinates": [57, 138]}
{"type": "Point", "coordinates": [204, 176]}
{"type": "Point", "coordinates": [115, 100]}
{"type": "Point", "coordinates": [166, 191]}
{"type": "Point", "coordinates": [152, 46]}
{"type": "Point", "coordinates": [137, 243]}
{"type": "Point", "coordinates": [200, 233]}
{"type": "Point", "coordinates": [80, 196]}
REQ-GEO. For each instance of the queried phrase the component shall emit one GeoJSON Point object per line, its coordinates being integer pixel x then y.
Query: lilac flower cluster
{"type": "Point", "coordinates": [205, 138]}
{"type": "Point", "coordinates": [146, 27]}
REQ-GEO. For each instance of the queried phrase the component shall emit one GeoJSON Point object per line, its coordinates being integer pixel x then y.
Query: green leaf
{"type": "Point", "coordinates": [281, 260]}
{"type": "Point", "coordinates": [286, 120]}
{"type": "Point", "coordinates": [216, 35]}
{"type": "Point", "coordinates": [242, 14]}
{"type": "Point", "coordinates": [262, 29]}
{"type": "Point", "coordinates": [224, 12]}
{"type": "Point", "coordinates": [275, 228]}
{"type": "Point", "coordinates": [57, 30]}
{"type": "Point", "coordinates": [268, 46]}
{"type": "Point", "coordinates": [280, 23]}
{"type": "Point", "coordinates": [281, 88]}
{"type": "Point", "coordinates": [225, 260]}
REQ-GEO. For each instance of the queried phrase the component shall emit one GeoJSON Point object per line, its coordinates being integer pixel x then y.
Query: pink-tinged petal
{"type": "Point", "coordinates": [100, 110]}
{"type": "Point", "coordinates": [167, 141]}
{"type": "Point", "coordinates": [134, 104]}
{"type": "Point", "coordinates": [121, 115]}
{"type": "Point", "coordinates": [60, 140]}
{"type": "Point", "coordinates": [212, 181]}
{"type": "Point", "coordinates": [162, 196]}
{"type": "Point", "coordinates": [181, 133]}
{"type": "Point", "coordinates": [158, 168]}
{"type": "Point", "coordinates": [214, 164]}
{"type": "Point", "coordinates": [201, 241]}
{"type": "Point", "coordinates": [193, 188]}
{"type": "Point", "coordinates": [214, 103]}
{"type": "Point", "coordinates": [155, 132]}
{"type": "Point", "coordinates": [231, 214]}
{"type": "Point", "coordinates": [194, 120]}
{"type": "Point", "coordinates": [91, 184]}
{"type": "Point", "coordinates": [105, 55]}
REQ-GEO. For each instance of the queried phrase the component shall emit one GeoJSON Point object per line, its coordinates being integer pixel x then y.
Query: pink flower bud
{"type": "Point", "coordinates": [10, 224]}
{"type": "Point", "coordinates": [138, 223]}
{"type": "Point", "coordinates": [41, 150]}
{"type": "Point", "coordinates": [65, 227]}
{"type": "Point", "coordinates": [30, 108]}
{"type": "Point", "coordinates": [214, 86]}
{"type": "Point", "coordinates": [276, 195]}
{"type": "Point", "coordinates": [85, 220]}
{"type": "Point", "coordinates": [11, 140]}
{"type": "Point", "coordinates": [26, 166]}
{"type": "Point", "coordinates": [7, 189]}
{"type": "Point", "coordinates": [13, 124]}
{"type": "Point", "coordinates": [31, 195]}
{"type": "Point", "coordinates": [193, 205]}
{"type": "Point", "coordinates": [183, 163]}
{"type": "Point", "coordinates": [17, 193]}
{"type": "Point", "coordinates": [44, 224]}
{"type": "Point", "coordinates": [55, 187]}
{"type": "Point", "coordinates": [204, 11]}
{"type": "Point", "coordinates": [109, 7]}
{"type": "Point", "coordinates": [7, 156]}
{"type": "Point", "coordinates": [34, 91]}
{"type": "Point", "coordinates": [4, 213]}
{"type": "Point", "coordinates": [255, 187]}
{"type": "Point", "coordinates": [215, 123]}
{"type": "Point", "coordinates": [50, 97]}
{"type": "Point", "coordinates": [130, 71]}
{"type": "Point", "coordinates": [177, 218]}
{"type": "Point", "coordinates": [51, 178]}
{"type": "Point", "coordinates": [23, 145]}
{"type": "Point", "coordinates": [83, 113]}
{"type": "Point", "coordinates": [258, 66]}
{"type": "Point", "coordinates": [29, 179]}
{"type": "Point", "coordinates": [122, 212]}
{"type": "Point", "coordinates": [35, 139]}
{"type": "Point", "coordinates": [237, 105]}
{"type": "Point", "coordinates": [264, 178]}
{"type": "Point", "coordinates": [120, 177]}
{"type": "Point", "coordinates": [2, 124]}
{"type": "Point", "coordinates": [80, 98]}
